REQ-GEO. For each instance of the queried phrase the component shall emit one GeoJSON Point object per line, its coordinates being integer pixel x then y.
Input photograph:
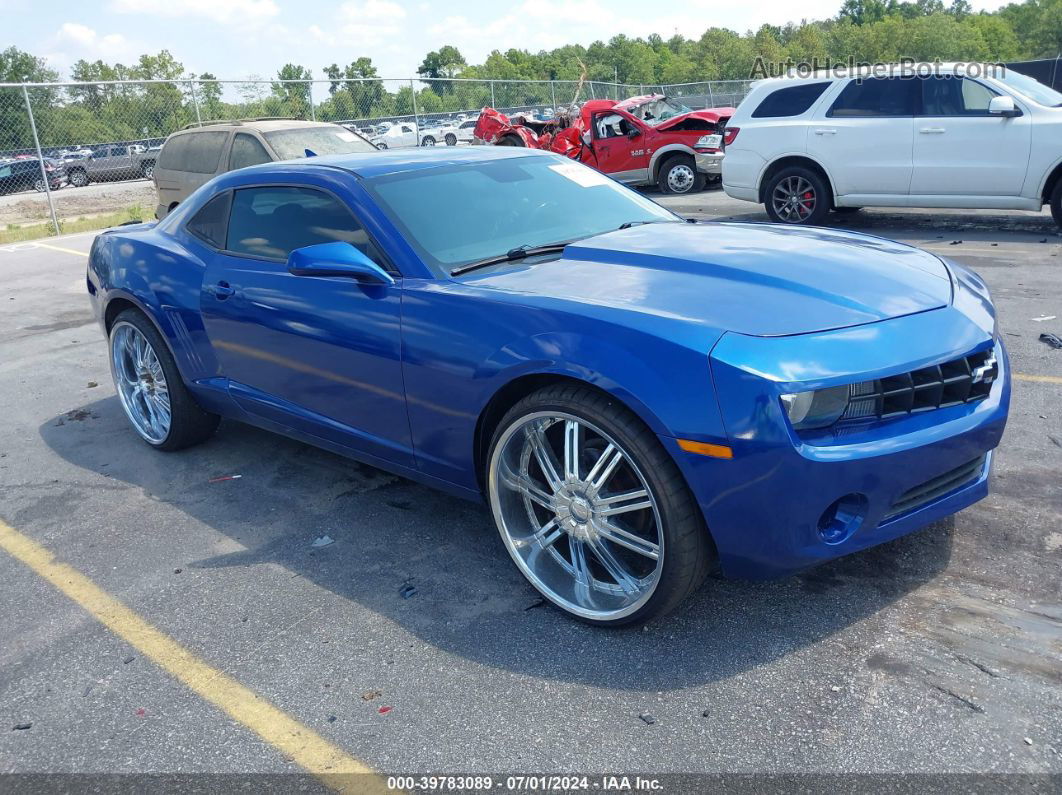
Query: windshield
{"type": "Point", "coordinates": [330, 140]}
{"type": "Point", "coordinates": [1027, 87]}
{"type": "Point", "coordinates": [659, 110]}
{"type": "Point", "coordinates": [454, 215]}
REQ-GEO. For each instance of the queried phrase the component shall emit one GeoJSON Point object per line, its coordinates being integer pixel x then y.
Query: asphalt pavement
{"type": "Point", "coordinates": [936, 653]}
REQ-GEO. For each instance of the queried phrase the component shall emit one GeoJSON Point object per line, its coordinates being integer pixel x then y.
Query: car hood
{"type": "Point", "coordinates": [757, 279]}
{"type": "Point", "coordinates": [711, 116]}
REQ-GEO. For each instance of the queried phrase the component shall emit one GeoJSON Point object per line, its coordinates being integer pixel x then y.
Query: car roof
{"type": "Point", "coordinates": [262, 125]}
{"type": "Point", "coordinates": [392, 161]}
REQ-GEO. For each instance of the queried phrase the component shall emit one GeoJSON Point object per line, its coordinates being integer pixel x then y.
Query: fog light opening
{"type": "Point", "coordinates": [842, 518]}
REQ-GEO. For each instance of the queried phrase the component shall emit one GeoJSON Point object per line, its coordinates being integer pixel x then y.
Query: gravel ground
{"type": "Point", "coordinates": [94, 199]}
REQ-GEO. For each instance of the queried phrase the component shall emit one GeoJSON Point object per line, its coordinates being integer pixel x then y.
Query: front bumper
{"type": "Point", "coordinates": [766, 508]}
{"type": "Point", "coordinates": [709, 162]}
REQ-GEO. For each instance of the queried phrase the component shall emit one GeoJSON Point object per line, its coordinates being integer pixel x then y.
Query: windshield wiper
{"type": "Point", "coordinates": [513, 254]}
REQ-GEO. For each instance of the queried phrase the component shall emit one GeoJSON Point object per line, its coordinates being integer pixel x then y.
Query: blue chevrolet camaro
{"type": "Point", "coordinates": [637, 397]}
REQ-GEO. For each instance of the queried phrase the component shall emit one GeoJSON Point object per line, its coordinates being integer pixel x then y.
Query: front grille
{"type": "Point", "coordinates": [963, 380]}
{"type": "Point", "coordinates": [937, 487]}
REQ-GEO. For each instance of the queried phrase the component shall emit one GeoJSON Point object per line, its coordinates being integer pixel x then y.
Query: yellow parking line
{"type": "Point", "coordinates": [1041, 379]}
{"type": "Point", "coordinates": [64, 250]}
{"type": "Point", "coordinates": [298, 742]}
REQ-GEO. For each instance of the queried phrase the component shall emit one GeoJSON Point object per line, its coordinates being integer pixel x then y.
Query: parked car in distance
{"type": "Point", "coordinates": [451, 135]}
{"type": "Point", "coordinates": [638, 398]}
{"type": "Point", "coordinates": [403, 134]}
{"type": "Point", "coordinates": [23, 174]}
{"type": "Point", "coordinates": [908, 138]}
{"type": "Point", "coordinates": [192, 157]}
{"type": "Point", "coordinates": [109, 163]}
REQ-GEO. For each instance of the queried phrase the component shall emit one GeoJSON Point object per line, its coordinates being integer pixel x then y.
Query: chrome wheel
{"type": "Point", "coordinates": [140, 382]}
{"type": "Point", "coordinates": [794, 199]}
{"type": "Point", "coordinates": [577, 515]}
{"type": "Point", "coordinates": [680, 178]}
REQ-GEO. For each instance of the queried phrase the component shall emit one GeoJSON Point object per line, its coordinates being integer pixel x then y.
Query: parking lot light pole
{"type": "Point", "coordinates": [40, 160]}
{"type": "Point", "coordinates": [553, 93]}
{"type": "Point", "coordinates": [309, 96]}
{"type": "Point", "coordinates": [493, 104]}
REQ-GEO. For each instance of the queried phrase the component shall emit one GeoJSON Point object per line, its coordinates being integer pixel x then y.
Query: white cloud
{"type": "Point", "coordinates": [74, 41]}
{"type": "Point", "coordinates": [217, 10]}
{"type": "Point", "coordinates": [362, 22]}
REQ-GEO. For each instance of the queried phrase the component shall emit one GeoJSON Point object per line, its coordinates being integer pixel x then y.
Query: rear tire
{"type": "Point", "coordinates": [797, 196]}
{"type": "Point", "coordinates": [641, 499]}
{"type": "Point", "coordinates": [147, 170]}
{"type": "Point", "coordinates": [679, 175]}
{"type": "Point", "coordinates": [428, 141]}
{"type": "Point", "coordinates": [188, 424]}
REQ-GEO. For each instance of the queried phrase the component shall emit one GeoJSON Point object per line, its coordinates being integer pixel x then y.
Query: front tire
{"type": "Point", "coordinates": [451, 139]}
{"type": "Point", "coordinates": [78, 178]}
{"type": "Point", "coordinates": [797, 195]}
{"type": "Point", "coordinates": [679, 175]}
{"type": "Point", "coordinates": [155, 400]}
{"type": "Point", "coordinates": [428, 141]}
{"type": "Point", "coordinates": [148, 170]}
{"type": "Point", "coordinates": [592, 509]}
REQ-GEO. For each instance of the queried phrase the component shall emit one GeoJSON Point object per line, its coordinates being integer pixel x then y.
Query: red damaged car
{"type": "Point", "coordinates": [640, 141]}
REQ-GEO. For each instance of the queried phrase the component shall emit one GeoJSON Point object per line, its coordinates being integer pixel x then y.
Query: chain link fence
{"type": "Point", "coordinates": [79, 156]}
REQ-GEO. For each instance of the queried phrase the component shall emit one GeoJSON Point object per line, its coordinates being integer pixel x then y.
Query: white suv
{"type": "Point", "coordinates": [908, 138]}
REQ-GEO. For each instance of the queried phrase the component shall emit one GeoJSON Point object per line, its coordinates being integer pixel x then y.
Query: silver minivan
{"type": "Point", "coordinates": [194, 156]}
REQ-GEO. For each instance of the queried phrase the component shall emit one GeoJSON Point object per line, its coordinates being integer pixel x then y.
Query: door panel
{"type": "Point", "coordinates": [961, 150]}
{"type": "Point", "coordinates": [320, 354]}
{"type": "Point", "coordinates": [865, 138]}
{"type": "Point", "coordinates": [617, 154]}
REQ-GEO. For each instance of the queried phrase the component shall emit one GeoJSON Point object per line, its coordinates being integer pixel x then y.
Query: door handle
{"type": "Point", "coordinates": [932, 131]}
{"type": "Point", "coordinates": [223, 290]}
{"type": "Point", "coordinates": [825, 131]}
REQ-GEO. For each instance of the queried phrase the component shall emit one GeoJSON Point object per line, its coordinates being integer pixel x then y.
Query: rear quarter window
{"type": "Point", "coordinates": [198, 152]}
{"type": "Point", "coordinates": [789, 101]}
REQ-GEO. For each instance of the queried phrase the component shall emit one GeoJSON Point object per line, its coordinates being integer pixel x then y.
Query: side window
{"type": "Point", "coordinates": [270, 222]}
{"type": "Point", "coordinates": [947, 95]}
{"type": "Point", "coordinates": [5, 171]}
{"type": "Point", "coordinates": [247, 151]}
{"type": "Point", "coordinates": [209, 223]}
{"type": "Point", "coordinates": [204, 151]}
{"type": "Point", "coordinates": [172, 155]}
{"type": "Point", "coordinates": [118, 151]}
{"type": "Point", "coordinates": [870, 97]}
{"type": "Point", "coordinates": [198, 152]}
{"type": "Point", "coordinates": [611, 125]}
{"type": "Point", "coordinates": [791, 101]}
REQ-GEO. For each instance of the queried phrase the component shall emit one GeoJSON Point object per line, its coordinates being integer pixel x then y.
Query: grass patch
{"type": "Point", "coordinates": [20, 234]}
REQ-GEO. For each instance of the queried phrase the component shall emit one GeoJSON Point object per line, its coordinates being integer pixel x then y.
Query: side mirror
{"type": "Point", "coordinates": [1003, 106]}
{"type": "Point", "coordinates": [337, 259]}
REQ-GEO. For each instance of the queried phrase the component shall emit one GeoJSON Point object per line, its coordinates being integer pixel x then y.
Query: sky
{"type": "Point", "coordinates": [243, 38]}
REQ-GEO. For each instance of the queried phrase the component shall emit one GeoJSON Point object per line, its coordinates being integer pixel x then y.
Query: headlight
{"type": "Point", "coordinates": [816, 409]}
